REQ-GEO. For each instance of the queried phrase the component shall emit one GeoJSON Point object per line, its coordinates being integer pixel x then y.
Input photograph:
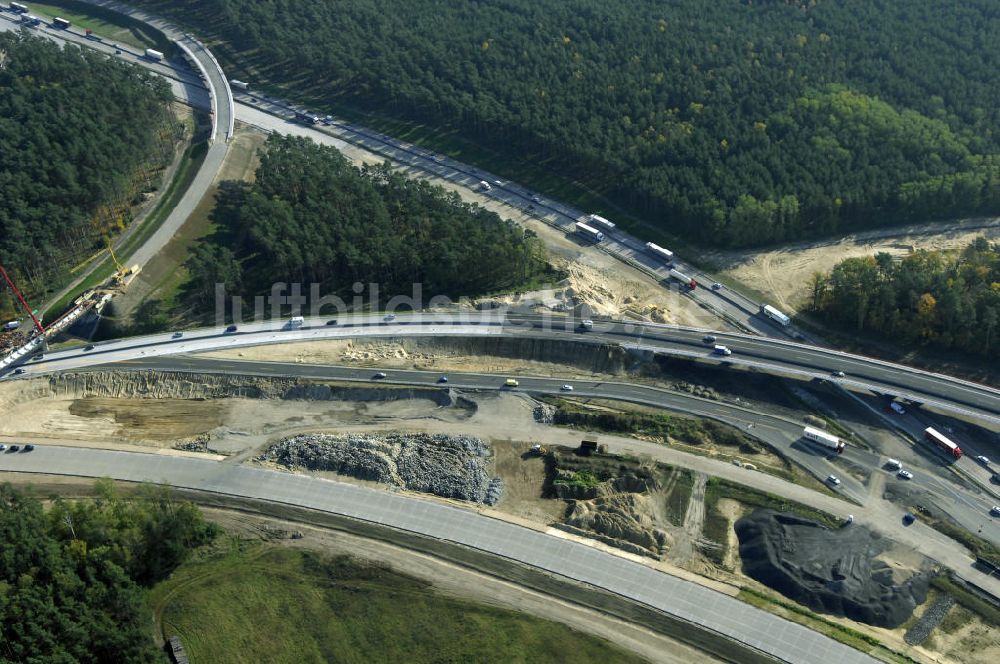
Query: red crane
{"type": "Point", "coordinates": [38, 325]}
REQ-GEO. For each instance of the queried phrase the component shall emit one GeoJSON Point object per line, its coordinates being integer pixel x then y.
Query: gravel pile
{"type": "Point", "coordinates": [448, 466]}
{"type": "Point", "coordinates": [930, 619]}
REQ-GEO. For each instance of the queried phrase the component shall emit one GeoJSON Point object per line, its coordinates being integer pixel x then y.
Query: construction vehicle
{"type": "Point", "coordinates": [538, 450]}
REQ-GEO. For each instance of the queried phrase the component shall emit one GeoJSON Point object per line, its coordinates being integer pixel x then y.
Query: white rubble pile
{"type": "Point", "coordinates": [445, 465]}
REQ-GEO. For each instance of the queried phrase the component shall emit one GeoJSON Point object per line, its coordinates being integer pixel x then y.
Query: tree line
{"type": "Point", "coordinates": [83, 136]}
{"type": "Point", "coordinates": [734, 123]}
{"type": "Point", "coordinates": [946, 300]}
{"type": "Point", "coordinates": [310, 216]}
{"type": "Point", "coordinates": [74, 575]}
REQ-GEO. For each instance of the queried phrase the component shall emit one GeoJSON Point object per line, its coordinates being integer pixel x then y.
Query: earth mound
{"type": "Point", "coordinates": [448, 466]}
{"type": "Point", "coordinates": [838, 572]}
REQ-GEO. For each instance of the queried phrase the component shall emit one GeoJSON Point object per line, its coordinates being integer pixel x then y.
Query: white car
{"type": "Point", "coordinates": [983, 460]}
{"type": "Point", "coordinates": [905, 474]}
{"type": "Point", "coordinates": [995, 511]}
{"type": "Point", "coordinates": [894, 464]}
{"type": "Point", "coordinates": [833, 479]}
{"type": "Point", "coordinates": [2, 447]}
{"type": "Point", "coordinates": [566, 388]}
{"type": "Point", "coordinates": [389, 317]}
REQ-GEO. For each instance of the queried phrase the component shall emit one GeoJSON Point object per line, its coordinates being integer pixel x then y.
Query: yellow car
{"type": "Point", "coordinates": [510, 382]}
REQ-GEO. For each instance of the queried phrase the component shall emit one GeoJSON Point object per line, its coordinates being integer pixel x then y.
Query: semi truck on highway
{"type": "Point", "coordinates": [825, 439]}
{"type": "Point", "coordinates": [60, 23]}
{"type": "Point", "coordinates": [683, 278]}
{"type": "Point", "coordinates": [660, 252]}
{"type": "Point", "coordinates": [775, 315]}
{"type": "Point", "coordinates": [589, 232]}
{"type": "Point", "coordinates": [154, 55]}
{"type": "Point", "coordinates": [932, 435]}
{"type": "Point", "coordinates": [18, 8]}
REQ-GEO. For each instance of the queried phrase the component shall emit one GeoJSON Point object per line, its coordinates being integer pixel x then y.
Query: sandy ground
{"type": "Point", "coordinates": [784, 273]}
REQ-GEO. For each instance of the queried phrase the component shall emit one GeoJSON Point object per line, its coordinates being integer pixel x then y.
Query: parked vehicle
{"type": "Point", "coordinates": [904, 474]}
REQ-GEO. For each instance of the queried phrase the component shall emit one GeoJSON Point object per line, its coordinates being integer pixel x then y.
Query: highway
{"type": "Point", "coordinates": [967, 400]}
{"type": "Point", "coordinates": [782, 639]}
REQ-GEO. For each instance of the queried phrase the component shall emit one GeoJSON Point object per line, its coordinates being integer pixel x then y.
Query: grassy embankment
{"type": "Point", "coordinates": [263, 603]}
{"type": "Point", "coordinates": [107, 24]}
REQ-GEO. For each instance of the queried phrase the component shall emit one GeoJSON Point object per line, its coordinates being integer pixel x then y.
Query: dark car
{"type": "Point", "coordinates": [18, 372]}
{"type": "Point", "coordinates": [88, 347]}
{"type": "Point", "coordinates": [13, 448]}
{"type": "Point", "coordinates": [708, 339]}
{"type": "Point", "coordinates": [332, 321]}
{"type": "Point", "coordinates": [379, 375]}
{"type": "Point", "coordinates": [443, 379]}
{"type": "Point", "coordinates": [908, 519]}
{"type": "Point", "coordinates": [40, 356]}
{"type": "Point", "coordinates": [28, 447]}
{"type": "Point", "coordinates": [231, 329]}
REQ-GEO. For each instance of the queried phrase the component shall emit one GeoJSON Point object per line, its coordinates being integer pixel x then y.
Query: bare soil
{"type": "Point", "coordinates": [783, 273]}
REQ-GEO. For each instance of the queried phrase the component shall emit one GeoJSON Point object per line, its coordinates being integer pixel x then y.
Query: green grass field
{"type": "Point", "coordinates": [268, 604]}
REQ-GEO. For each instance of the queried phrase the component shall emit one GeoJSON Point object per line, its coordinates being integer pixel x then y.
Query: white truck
{"type": "Point", "coordinates": [153, 55]}
{"type": "Point", "coordinates": [238, 84]}
{"type": "Point", "coordinates": [775, 315]}
{"type": "Point", "coordinates": [589, 232]}
{"type": "Point", "coordinates": [660, 252]}
{"type": "Point", "coordinates": [683, 278]}
{"type": "Point", "coordinates": [825, 439]}
{"type": "Point", "coordinates": [599, 222]}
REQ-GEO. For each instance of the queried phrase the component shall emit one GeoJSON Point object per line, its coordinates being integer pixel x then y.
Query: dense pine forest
{"type": "Point", "coordinates": [731, 122]}
{"type": "Point", "coordinates": [947, 300]}
{"type": "Point", "coordinates": [312, 217]}
{"type": "Point", "coordinates": [74, 574]}
{"type": "Point", "coordinates": [82, 136]}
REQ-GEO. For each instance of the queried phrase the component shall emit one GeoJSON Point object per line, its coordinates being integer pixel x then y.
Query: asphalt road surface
{"type": "Point", "coordinates": [782, 639]}
{"type": "Point", "coordinates": [801, 361]}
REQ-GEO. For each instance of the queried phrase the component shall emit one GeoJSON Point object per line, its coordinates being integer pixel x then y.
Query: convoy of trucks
{"type": "Point", "coordinates": [775, 315]}
{"type": "Point", "coordinates": [933, 436]}
{"type": "Point", "coordinates": [825, 439]}
{"type": "Point", "coordinates": [683, 278]}
{"type": "Point", "coordinates": [589, 232]}
{"type": "Point", "coordinates": [154, 55]}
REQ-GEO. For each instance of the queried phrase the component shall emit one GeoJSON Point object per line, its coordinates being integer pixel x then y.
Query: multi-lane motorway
{"type": "Point", "coordinates": [968, 400]}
